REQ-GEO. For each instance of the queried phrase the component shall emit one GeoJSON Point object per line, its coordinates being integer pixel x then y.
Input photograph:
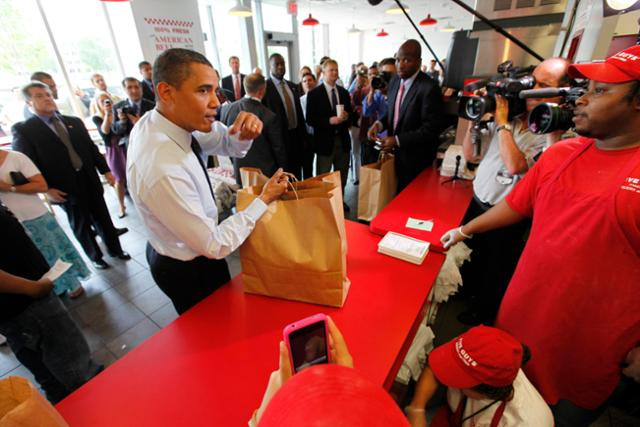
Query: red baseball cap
{"type": "Point", "coordinates": [482, 355]}
{"type": "Point", "coordinates": [331, 395]}
{"type": "Point", "coordinates": [622, 67]}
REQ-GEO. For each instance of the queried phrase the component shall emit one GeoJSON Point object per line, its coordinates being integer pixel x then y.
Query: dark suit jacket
{"type": "Point", "coordinates": [319, 112]}
{"type": "Point", "coordinates": [267, 151]}
{"type": "Point", "coordinates": [419, 125]}
{"type": "Point", "coordinates": [147, 91]}
{"type": "Point", "coordinates": [123, 128]}
{"type": "Point", "coordinates": [35, 139]}
{"type": "Point", "coordinates": [294, 139]}
{"type": "Point", "coordinates": [227, 83]}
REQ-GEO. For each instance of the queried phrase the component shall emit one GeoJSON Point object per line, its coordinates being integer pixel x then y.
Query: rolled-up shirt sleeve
{"type": "Point", "coordinates": [176, 204]}
{"type": "Point", "coordinates": [219, 142]}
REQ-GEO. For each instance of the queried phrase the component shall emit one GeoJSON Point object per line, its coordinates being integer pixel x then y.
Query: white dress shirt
{"type": "Point", "coordinates": [170, 190]}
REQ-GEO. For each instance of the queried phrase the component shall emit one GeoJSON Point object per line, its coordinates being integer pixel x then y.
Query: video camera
{"type": "Point", "coordinates": [381, 81]}
{"type": "Point", "coordinates": [509, 82]}
{"type": "Point", "coordinates": [549, 117]}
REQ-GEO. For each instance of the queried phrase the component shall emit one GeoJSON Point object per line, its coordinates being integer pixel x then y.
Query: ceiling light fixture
{"type": "Point", "coordinates": [310, 21]}
{"type": "Point", "coordinates": [394, 9]}
{"type": "Point", "coordinates": [429, 20]}
{"type": "Point", "coordinates": [621, 4]}
{"type": "Point", "coordinates": [448, 28]}
{"type": "Point", "coordinates": [353, 29]}
{"type": "Point", "coordinates": [382, 33]}
{"type": "Point", "coordinates": [240, 10]}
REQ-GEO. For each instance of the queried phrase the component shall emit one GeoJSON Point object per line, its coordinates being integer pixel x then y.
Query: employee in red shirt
{"type": "Point", "coordinates": [574, 296]}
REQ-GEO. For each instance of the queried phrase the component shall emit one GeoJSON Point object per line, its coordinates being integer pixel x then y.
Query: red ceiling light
{"type": "Point", "coordinates": [382, 33]}
{"type": "Point", "coordinates": [429, 20]}
{"type": "Point", "coordinates": [310, 21]}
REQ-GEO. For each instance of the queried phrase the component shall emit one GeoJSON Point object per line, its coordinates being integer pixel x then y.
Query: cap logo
{"type": "Point", "coordinates": [623, 56]}
{"type": "Point", "coordinates": [463, 355]}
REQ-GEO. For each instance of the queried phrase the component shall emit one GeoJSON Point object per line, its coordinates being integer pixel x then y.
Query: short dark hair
{"type": "Point", "coordinates": [254, 82]}
{"type": "Point", "coordinates": [275, 55]}
{"type": "Point", "coordinates": [233, 57]}
{"type": "Point", "coordinates": [129, 79]}
{"type": "Point", "coordinates": [387, 61]}
{"type": "Point", "coordinates": [143, 63]}
{"type": "Point", "coordinates": [309, 74]}
{"type": "Point", "coordinates": [172, 65]}
{"type": "Point", "coordinates": [35, 83]}
{"type": "Point", "coordinates": [39, 75]}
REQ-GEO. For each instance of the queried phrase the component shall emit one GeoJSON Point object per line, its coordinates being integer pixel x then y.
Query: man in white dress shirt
{"type": "Point", "coordinates": [169, 185]}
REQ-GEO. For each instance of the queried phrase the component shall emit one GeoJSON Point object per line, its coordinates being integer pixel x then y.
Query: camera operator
{"type": "Point", "coordinates": [130, 110]}
{"type": "Point", "coordinates": [374, 106]}
{"type": "Point", "coordinates": [512, 149]}
{"type": "Point", "coordinates": [574, 297]}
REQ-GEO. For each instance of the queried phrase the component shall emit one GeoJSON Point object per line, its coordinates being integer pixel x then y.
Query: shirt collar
{"type": "Point", "coordinates": [172, 130]}
{"type": "Point", "coordinates": [328, 86]}
{"type": "Point", "coordinates": [46, 119]}
{"type": "Point", "coordinates": [410, 79]}
{"type": "Point", "coordinates": [253, 97]}
{"type": "Point", "coordinates": [276, 80]}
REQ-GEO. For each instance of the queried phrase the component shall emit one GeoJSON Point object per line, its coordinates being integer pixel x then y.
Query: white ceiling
{"type": "Point", "coordinates": [367, 17]}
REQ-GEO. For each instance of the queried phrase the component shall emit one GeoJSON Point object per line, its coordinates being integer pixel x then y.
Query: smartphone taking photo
{"type": "Point", "coordinates": [307, 341]}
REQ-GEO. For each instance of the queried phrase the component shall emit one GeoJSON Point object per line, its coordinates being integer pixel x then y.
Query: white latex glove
{"type": "Point", "coordinates": [452, 237]}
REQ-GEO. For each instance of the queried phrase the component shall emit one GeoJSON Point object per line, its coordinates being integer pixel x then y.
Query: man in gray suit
{"type": "Point", "coordinates": [268, 150]}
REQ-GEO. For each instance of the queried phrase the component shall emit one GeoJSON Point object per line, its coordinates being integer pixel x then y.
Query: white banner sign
{"type": "Point", "coordinates": [166, 24]}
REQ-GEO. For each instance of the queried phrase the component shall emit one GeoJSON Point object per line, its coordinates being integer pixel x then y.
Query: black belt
{"type": "Point", "coordinates": [484, 206]}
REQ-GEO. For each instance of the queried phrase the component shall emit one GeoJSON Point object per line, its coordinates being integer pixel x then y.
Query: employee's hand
{"type": "Point", "coordinates": [57, 196]}
{"type": "Point", "coordinates": [276, 381]}
{"type": "Point", "coordinates": [339, 352]}
{"type": "Point", "coordinates": [501, 115]}
{"type": "Point", "coordinates": [41, 288]}
{"type": "Point", "coordinates": [372, 134]}
{"type": "Point", "coordinates": [275, 187]}
{"type": "Point", "coordinates": [633, 368]}
{"type": "Point", "coordinates": [111, 180]}
{"type": "Point", "coordinates": [247, 126]}
{"type": "Point", "coordinates": [452, 237]}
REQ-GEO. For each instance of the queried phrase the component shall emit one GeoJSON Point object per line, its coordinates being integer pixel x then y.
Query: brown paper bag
{"type": "Point", "coordinates": [298, 249]}
{"type": "Point", "coordinates": [252, 176]}
{"type": "Point", "coordinates": [378, 186]}
{"type": "Point", "coordinates": [21, 405]}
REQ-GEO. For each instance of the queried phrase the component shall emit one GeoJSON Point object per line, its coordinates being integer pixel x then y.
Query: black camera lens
{"type": "Point", "coordinates": [478, 106]}
{"type": "Point", "coordinates": [549, 117]}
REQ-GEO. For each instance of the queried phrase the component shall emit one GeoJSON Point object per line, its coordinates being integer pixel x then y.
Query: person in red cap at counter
{"type": "Point", "coordinates": [485, 385]}
{"type": "Point", "coordinates": [574, 296]}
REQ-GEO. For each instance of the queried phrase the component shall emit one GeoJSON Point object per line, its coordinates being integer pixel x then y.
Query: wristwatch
{"type": "Point", "coordinates": [12, 189]}
{"type": "Point", "coordinates": [506, 126]}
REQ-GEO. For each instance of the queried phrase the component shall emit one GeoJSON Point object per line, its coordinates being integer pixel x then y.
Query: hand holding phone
{"type": "Point", "coordinates": [308, 342]}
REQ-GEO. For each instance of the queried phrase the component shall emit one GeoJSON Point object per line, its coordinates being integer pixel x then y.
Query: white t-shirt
{"type": "Point", "coordinates": [527, 408]}
{"type": "Point", "coordinates": [23, 206]}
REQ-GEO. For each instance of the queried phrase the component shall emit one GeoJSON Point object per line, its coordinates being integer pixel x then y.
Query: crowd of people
{"type": "Point", "coordinates": [555, 224]}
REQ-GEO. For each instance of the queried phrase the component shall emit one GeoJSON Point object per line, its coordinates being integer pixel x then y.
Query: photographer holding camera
{"type": "Point", "coordinates": [512, 150]}
{"type": "Point", "coordinates": [130, 110]}
{"type": "Point", "coordinates": [374, 106]}
{"type": "Point", "coordinates": [574, 296]}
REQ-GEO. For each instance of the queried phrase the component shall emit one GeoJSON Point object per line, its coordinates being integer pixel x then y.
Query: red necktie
{"type": "Point", "coordinates": [396, 109]}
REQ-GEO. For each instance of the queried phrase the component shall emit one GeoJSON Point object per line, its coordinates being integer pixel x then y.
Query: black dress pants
{"type": "Point", "coordinates": [87, 208]}
{"type": "Point", "coordinates": [187, 282]}
{"type": "Point", "coordinates": [493, 261]}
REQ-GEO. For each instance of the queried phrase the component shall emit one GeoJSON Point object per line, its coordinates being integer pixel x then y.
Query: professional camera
{"type": "Point", "coordinates": [508, 82]}
{"type": "Point", "coordinates": [549, 117]}
{"type": "Point", "coordinates": [381, 81]}
{"type": "Point", "coordinates": [126, 110]}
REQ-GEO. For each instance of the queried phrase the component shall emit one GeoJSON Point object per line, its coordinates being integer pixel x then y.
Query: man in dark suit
{"type": "Point", "coordinates": [62, 149]}
{"type": "Point", "coordinates": [267, 151]}
{"type": "Point", "coordinates": [282, 98]}
{"type": "Point", "coordinates": [130, 110]}
{"type": "Point", "coordinates": [233, 83]}
{"type": "Point", "coordinates": [413, 118]}
{"type": "Point", "coordinates": [331, 140]}
{"type": "Point", "coordinates": [148, 91]}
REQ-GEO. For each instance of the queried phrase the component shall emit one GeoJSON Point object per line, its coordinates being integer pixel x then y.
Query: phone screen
{"type": "Point", "coordinates": [308, 346]}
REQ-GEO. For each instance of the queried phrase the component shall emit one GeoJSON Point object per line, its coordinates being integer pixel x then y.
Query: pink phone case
{"type": "Point", "coordinates": [301, 324]}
